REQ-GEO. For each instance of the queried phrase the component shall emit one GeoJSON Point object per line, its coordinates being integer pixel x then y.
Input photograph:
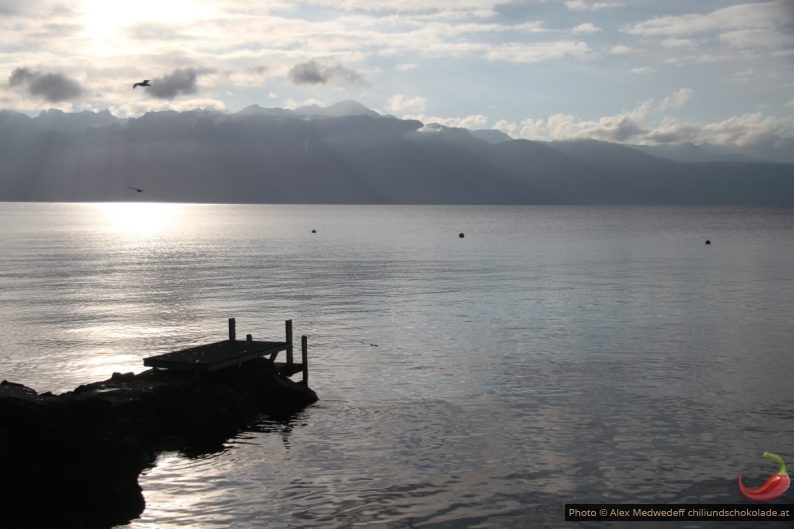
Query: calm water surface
{"type": "Point", "coordinates": [553, 355]}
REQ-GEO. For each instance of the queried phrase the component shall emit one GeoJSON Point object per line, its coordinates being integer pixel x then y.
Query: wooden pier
{"type": "Point", "coordinates": [234, 352]}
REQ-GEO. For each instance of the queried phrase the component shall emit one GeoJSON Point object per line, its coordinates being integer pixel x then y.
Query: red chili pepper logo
{"type": "Point", "coordinates": [774, 487]}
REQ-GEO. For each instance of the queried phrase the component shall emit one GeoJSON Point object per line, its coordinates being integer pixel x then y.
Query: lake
{"type": "Point", "coordinates": [552, 355]}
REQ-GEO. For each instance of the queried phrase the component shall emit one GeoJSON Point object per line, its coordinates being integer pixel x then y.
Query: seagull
{"type": "Point", "coordinates": [143, 83]}
{"type": "Point", "coordinates": [139, 190]}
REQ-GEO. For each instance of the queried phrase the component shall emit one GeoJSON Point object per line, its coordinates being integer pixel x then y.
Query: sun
{"type": "Point", "coordinates": [108, 21]}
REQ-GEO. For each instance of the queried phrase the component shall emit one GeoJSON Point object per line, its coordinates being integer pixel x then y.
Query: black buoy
{"type": "Point", "coordinates": [708, 241]}
{"type": "Point", "coordinates": [461, 235]}
{"type": "Point", "coordinates": [314, 231]}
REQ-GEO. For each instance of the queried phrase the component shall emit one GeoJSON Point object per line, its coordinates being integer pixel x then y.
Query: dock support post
{"type": "Point", "coordinates": [249, 338]}
{"type": "Point", "coordinates": [232, 330]}
{"type": "Point", "coordinates": [288, 324]}
{"type": "Point", "coordinates": [305, 359]}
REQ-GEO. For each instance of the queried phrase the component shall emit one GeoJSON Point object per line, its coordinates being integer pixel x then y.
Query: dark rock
{"type": "Point", "coordinates": [73, 459]}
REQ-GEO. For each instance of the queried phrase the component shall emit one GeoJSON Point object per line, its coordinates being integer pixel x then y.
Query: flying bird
{"type": "Point", "coordinates": [143, 83]}
{"type": "Point", "coordinates": [139, 190]}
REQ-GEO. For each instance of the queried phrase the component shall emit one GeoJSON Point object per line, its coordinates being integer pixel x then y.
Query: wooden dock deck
{"type": "Point", "coordinates": [233, 352]}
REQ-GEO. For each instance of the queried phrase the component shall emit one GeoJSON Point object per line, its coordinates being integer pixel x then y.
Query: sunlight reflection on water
{"type": "Point", "coordinates": [142, 220]}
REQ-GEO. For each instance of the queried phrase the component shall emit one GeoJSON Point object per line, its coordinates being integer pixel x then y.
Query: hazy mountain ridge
{"type": "Point", "coordinates": [347, 153]}
{"type": "Point", "coordinates": [689, 152]}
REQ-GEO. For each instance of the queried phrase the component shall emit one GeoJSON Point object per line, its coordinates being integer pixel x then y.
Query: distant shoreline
{"type": "Point", "coordinates": [210, 157]}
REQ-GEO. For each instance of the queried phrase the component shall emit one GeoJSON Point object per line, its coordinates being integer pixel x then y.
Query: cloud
{"type": "Point", "coordinates": [757, 38]}
{"type": "Point", "coordinates": [634, 126]}
{"type": "Point", "coordinates": [403, 104]}
{"type": "Point", "coordinates": [742, 130]}
{"type": "Point", "coordinates": [620, 49]}
{"type": "Point", "coordinates": [790, 104]}
{"type": "Point", "coordinates": [587, 27]}
{"type": "Point", "coordinates": [294, 103]}
{"type": "Point", "coordinates": [179, 82]}
{"type": "Point", "coordinates": [582, 5]}
{"type": "Point", "coordinates": [312, 72]}
{"type": "Point", "coordinates": [155, 31]}
{"type": "Point", "coordinates": [540, 51]}
{"type": "Point", "coordinates": [767, 15]}
{"type": "Point", "coordinates": [141, 106]}
{"type": "Point", "coordinates": [714, 57]}
{"type": "Point", "coordinates": [643, 70]}
{"type": "Point", "coordinates": [9, 7]}
{"type": "Point", "coordinates": [738, 33]}
{"type": "Point", "coordinates": [406, 66]}
{"type": "Point", "coordinates": [623, 127]}
{"type": "Point", "coordinates": [248, 76]}
{"type": "Point", "coordinates": [626, 126]}
{"type": "Point", "coordinates": [15, 7]}
{"type": "Point", "coordinates": [744, 76]}
{"type": "Point", "coordinates": [678, 43]}
{"type": "Point", "coordinates": [52, 87]}
{"type": "Point", "coordinates": [408, 5]}
{"type": "Point", "coordinates": [466, 122]}
{"type": "Point", "coordinates": [677, 99]}
{"type": "Point", "coordinates": [555, 127]}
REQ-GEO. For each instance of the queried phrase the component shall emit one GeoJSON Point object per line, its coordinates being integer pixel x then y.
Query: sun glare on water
{"type": "Point", "coordinates": [142, 219]}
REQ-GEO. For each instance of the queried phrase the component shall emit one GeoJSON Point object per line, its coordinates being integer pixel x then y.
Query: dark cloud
{"type": "Point", "coordinates": [312, 72]}
{"type": "Point", "coordinates": [179, 82]}
{"type": "Point", "coordinates": [308, 73]}
{"type": "Point", "coordinates": [52, 87]}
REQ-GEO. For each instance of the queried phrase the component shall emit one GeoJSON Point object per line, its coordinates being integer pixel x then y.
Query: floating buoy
{"type": "Point", "coordinates": [314, 231]}
{"type": "Point", "coordinates": [708, 241]}
{"type": "Point", "coordinates": [461, 235]}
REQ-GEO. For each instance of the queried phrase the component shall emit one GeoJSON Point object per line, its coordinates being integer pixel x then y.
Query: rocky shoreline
{"type": "Point", "coordinates": [73, 459]}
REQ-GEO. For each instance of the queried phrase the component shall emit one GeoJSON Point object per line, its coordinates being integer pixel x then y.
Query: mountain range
{"type": "Point", "coordinates": [347, 153]}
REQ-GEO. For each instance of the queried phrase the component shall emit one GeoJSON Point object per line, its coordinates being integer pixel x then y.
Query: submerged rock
{"type": "Point", "coordinates": [73, 459]}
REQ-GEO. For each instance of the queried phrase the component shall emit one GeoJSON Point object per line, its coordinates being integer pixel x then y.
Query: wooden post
{"type": "Point", "coordinates": [289, 345]}
{"type": "Point", "coordinates": [249, 338]}
{"type": "Point", "coordinates": [232, 330]}
{"type": "Point", "coordinates": [305, 359]}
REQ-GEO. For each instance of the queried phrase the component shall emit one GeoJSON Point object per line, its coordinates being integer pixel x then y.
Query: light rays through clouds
{"type": "Point", "coordinates": [627, 71]}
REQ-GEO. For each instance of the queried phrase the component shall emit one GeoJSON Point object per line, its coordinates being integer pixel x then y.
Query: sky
{"type": "Point", "coordinates": [631, 71]}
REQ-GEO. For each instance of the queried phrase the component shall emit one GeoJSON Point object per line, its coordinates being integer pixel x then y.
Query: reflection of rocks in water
{"type": "Point", "coordinates": [74, 459]}
{"type": "Point", "coordinates": [282, 426]}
